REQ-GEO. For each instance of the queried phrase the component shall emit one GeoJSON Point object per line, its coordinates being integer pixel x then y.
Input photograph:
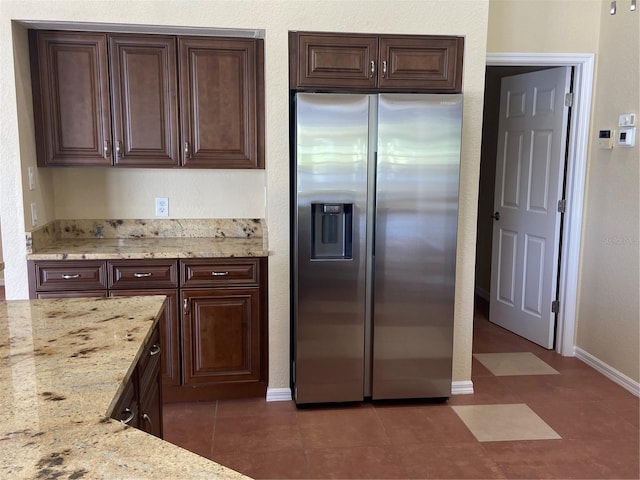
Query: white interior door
{"type": "Point", "coordinates": [529, 180]}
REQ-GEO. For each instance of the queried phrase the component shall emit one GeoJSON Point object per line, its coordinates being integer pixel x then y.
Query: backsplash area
{"type": "Point", "coordinates": [144, 228]}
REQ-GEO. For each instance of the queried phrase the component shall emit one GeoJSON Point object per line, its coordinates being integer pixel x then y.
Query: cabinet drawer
{"type": "Point", "coordinates": [222, 272]}
{"type": "Point", "coordinates": [70, 275]}
{"type": "Point", "coordinates": [149, 363]}
{"type": "Point", "coordinates": [147, 274]}
{"type": "Point", "coordinates": [126, 410]}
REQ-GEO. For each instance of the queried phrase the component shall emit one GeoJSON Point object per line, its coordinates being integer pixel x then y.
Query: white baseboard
{"type": "Point", "coordinates": [278, 394]}
{"type": "Point", "coordinates": [608, 371]}
{"type": "Point", "coordinates": [462, 388]}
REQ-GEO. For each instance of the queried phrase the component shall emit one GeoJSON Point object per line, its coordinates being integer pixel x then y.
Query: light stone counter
{"type": "Point", "coordinates": [144, 239]}
{"type": "Point", "coordinates": [143, 248]}
{"type": "Point", "coordinates": [64, 364]}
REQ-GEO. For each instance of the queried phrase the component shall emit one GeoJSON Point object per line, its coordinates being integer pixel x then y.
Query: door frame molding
{"type": "Point", "coordinates": [577, 154]}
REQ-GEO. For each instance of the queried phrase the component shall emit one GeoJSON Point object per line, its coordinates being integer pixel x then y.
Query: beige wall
{"type": "Point", "coordinates": [567, 26]}
{"type": "Point", "coordinates": [608, 315]}
{"type": "Point", "coordinates": [608, 312]}
{"type": "Point", "coordinates": [96, 193]}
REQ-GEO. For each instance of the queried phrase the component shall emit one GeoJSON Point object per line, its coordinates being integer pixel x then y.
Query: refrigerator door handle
{"type": "Point", "coordinates": [375, 205]}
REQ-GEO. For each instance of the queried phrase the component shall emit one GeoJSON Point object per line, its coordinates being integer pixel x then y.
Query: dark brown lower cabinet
{"type": "Point", "coordinates": [214, 330]}
{"type": "Point", "coordinates": [140, 404]}
{"type": "Point", "coordinates": [221, 342]}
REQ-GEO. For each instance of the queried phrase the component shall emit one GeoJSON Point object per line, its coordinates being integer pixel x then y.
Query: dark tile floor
{"type": "Point", "coordinates": [597, 420]}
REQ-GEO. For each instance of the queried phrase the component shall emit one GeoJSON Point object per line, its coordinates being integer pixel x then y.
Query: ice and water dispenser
{"type": "Point", "coordinates": [332, 231]}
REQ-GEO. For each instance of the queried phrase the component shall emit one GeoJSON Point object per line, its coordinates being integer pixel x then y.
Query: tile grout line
{"type": "Point", "coordinates": [213, 430]}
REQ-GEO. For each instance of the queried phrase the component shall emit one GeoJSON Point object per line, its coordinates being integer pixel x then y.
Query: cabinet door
{"type": "Point", "coordinates": [71, 98]}
{"type": "Point", "coordinates": [221, 98]}
{"type": "Point", "coordinates": [333, 61]}
{"type": "Point", "coordinates": [221, 336]}
{"type": "Point", "coordinates": [150, 385]}
{"type": "Point", "coordinates": [151, 409]}
{"type": "Point", "coordinates": [420, 63]}
{"type": "Point", "coordinates": [145, 105]}
{"type": "Point", "coordinates": [169, 332]}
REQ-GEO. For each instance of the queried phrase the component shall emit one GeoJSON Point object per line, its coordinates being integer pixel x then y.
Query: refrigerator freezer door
{"type": "Point", "coordinates": [329, 227]}
{"type": "Point", "coordinates": [415, 244]}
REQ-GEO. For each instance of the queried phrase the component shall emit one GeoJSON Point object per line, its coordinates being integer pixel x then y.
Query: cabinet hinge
{"type": "Point", "coordinates": [568, 99]}
{"type": "Point", "coordinates": [562, 206]}
{"type": "Point", "coordinates": [555, 306]}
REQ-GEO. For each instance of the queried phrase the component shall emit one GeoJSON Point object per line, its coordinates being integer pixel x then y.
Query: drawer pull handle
{"type": "Point", "coordinates": [148, 419]}
{"type": "Point", "coordinates": [69, 276]}
{"type": "Point", "coordinates": [155, 350]}
{"type": "Point", "coordinates": [373, 69]}
{"type": "Point", "coordinates": [143, 275]}
{"type": "Point", "coordinates": [106, 149]}
{"type": "Point", "coordinates": [129, 414]}
{"type": "Point", "coordinates": [185, 306]}
{"type": "Point", "coordinates": [384, 69]}
{"type": "Point", "coordinates": [219, 274]}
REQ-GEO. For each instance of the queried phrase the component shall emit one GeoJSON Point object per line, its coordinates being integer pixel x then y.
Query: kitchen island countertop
{"type": "Point", "coordinates": [64, 364]}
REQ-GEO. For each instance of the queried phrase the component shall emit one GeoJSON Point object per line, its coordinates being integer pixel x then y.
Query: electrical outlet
{"type": "Point", "coordinates": [34, 215]}
{"type": "Point", "coordinates": [162, 207]}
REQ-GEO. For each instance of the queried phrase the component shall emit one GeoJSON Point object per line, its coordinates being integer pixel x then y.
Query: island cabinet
{"type": "Point", "coordinates": [385, 63]}
{"type": "Point", "coordinates": [214, 329]}
{"type": "Point", "coordinates": [131, 100]}
{"type": "Point", "coordinates": [140, 404]}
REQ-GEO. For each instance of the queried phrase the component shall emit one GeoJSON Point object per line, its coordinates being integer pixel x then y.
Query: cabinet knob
{"type": "Point", "coordinates": [373, 69]}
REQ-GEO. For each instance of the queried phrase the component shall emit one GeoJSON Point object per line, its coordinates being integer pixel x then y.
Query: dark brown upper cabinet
{"type": "Point", "coordinates": [144, 83]}
{"type": "Point", "coordinates": [194, 102]}
{"type": "Point", "coordinates": [385, 63]}
{"type": "Point", "coordinates": [221, 102]}
{"type": "Point", "coordinates": [71, 99]}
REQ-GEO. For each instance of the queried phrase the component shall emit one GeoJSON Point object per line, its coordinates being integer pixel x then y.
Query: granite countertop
{"type": "Point", "coordinates": [144, 248]}
{"type": "Point", "coordinates": [143, 239]}
{"type": "Point", "coordinates": [64, 365]}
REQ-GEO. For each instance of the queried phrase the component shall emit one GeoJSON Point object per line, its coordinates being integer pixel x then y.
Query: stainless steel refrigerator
{"type": "Point", "coordinates": [374, 224]}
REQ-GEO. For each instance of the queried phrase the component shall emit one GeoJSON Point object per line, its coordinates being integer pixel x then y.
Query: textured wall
{"type": "Point", "coordinates": [69, 195]}
{"type": "Point", "coordinates": [608, 315]}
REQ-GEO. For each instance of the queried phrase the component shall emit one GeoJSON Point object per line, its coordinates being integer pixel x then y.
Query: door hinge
{"type": "Point", "coordinates": [568, 99]}
{"type": "Point", "coordinates": [555, 306]}
{"type": "Point", "coordinates": [562, 206]}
